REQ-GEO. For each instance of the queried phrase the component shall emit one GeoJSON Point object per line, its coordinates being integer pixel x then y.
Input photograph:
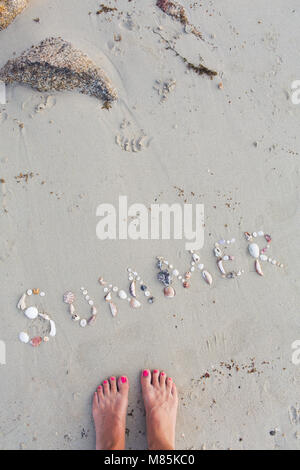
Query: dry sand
{"type": "Point", "coordinates": [200, 139]}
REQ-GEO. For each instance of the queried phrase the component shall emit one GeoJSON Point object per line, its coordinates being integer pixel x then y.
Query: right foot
{"type": "Point", "coordinates": [161, 402]}
{"type": "Point", "coordinates": [109, 412]}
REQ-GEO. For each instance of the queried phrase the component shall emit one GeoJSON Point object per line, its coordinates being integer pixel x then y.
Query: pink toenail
{"type": "Point", "coordinates": [105, 382]}
{"type": "Point", "coordinates": [145, 373]}
{"type": "Point", "coordinates": [99, 388]}
{"type": "Point", "coordinates": [155, 371]}
{"type": "Point", "coordinates": [162, 373]}
{"type": "Point", "coordinates": [170, 378]}
{"type": "Point", "coordinates": [112, 378]}
{"type": "Point", "coordinates": [123, 380]}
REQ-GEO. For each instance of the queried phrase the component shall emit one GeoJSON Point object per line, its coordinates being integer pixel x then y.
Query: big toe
{"type": "Point", "coordinates": [146, 379]}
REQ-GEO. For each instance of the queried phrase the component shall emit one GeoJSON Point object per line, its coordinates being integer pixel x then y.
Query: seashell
{"type": "Point", "coordinates": [36, 291]}
{"type": "Point", "coordinates": [164, 277]}
{"type": "Point", "coordinates": [221, 267]}
{"type": "Point", "coordinates": [108, 297]}
{"type": "Point", "coordinates": [46, 339]}
{"type": "Point", "coordinates": [248, 236]}
{"type": "Point", "coordinates": [75, 317]}
{"type": "Point", "coordinates": [23, 337]}
{"type": "Point", "coordinates": [217, 252]}
{"type": "Point", "coordinates": [253, 250]}
{"type": "Point", "coordinates": [231, 275]}
{"type": "Point", "coordinates": [36, 341]}
{"type": "Point", "coordinates": [44, 316]}
{"type": "Point", "coordinates": [42, 294]}
{"type": "Point", "coordinates": [132, 288]}
{"type": "Point", "coordinates": [178, 13]}
{"type": "Point", "coordinates": [207, 277]}
{"type": "Point", "coordinates": [22, 304]}
{"type": "Point", "coordinates": [92, 320]}
{"type": "Point", "coordinates": [258, 268]}
{"type": "Point", "coordinates": [175, 272]}
{"type": "Point", "coordinates": [55, 64]}
{"type": "Point", "coordinates": [29, 292]}
{"type": "Point", "coordinates": [52, 328]}
{"type": "Point", "coordinates": [169, 292]}
{"type": "Point", "coordinates": [94, 310]}
{"type": "Point", "coordinates": [188, 275]}
{"type": "Point", "coordinates": [134, 303]}
{"type": "Point", "coordinates": [101, 281]}
{"type": "Point", "coordinates": [225, 258]}
{"type": "Point", "coordinates": [113, 309]}
{"type": "Point", "coordinates": [31, 313]}
{"type": "Point", "coordinates": [268, 238]}
{"type": "Point", "coordinates": [69, 297]}
{"type": "Point", "coordinates": [196, 257]}
{"type": "Point", "coordinates": [151, 300]}
{"type": "Point", "coordinates": [186, 284]}
{"type": "Point", "coordinates": [263, 258]}
{"type": "Point", "coordinates": [9, 9]}
{"type": "Point", "coordinates": [122, 294]}
{"type": "Point", "coordinates": [260, 233]}
{"type": "Point", "coordinates": [83, 323]}
{"type": "Point", "coordinates": [72, 309]}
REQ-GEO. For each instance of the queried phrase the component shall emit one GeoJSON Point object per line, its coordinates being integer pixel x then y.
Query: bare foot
{"type": "Point", "coordinates": [161, 402]}
{"type": "Point", "coordinates": [109, 412]}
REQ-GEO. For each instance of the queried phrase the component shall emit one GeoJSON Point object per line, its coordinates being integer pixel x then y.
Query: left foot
{"type": "Point", "coordinates": [109, 412]}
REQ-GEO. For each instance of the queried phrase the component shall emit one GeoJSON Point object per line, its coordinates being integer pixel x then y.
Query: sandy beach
{"type": "Point", "coordinates": [229, 142]}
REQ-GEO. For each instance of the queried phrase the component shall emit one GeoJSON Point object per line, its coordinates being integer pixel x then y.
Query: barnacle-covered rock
{"type": "Point", "coordinates": [9, 9]}
{"type": "Point", "coordinates": [55, 64]}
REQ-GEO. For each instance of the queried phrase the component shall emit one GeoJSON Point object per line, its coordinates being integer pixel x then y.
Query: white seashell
{"type": "Point", "coordinates": [29, 292]}
{"type": "Point", "coordinates": [175, 272]}
{"type": "Point", "coordinates": [72, 309]}
{"type": "Point", "coordinates": [84, 292]}
{"type": "Point", "coordinates": [69, 297]}
{"type": "Point", "coordinates": [258, 268]}
{"type": "Point", "coordinates": [263, 258]}
{"type": "Point", "coordinates": [91, 302]}
{"type": "Point", "coordinates": [113, 309]}
{"type": "Point", "coordinates": [221, 267]}
{"type": "Point", "coordinates": [108, 297]}
{"type": "Point", "coordinates": [225, 258]}
{"type": "Point", "coordinates": [147, 293]}
{"type": "Point", "coordinates": [31, 313]}
{"type": "Point", "coordinates": [200, 266]}
{"type": "Point", "coordinates": [274, 261]}
{"type": "Point", "coordinates": [44, 316]}
{"type": "Point", "coordinates": [134, 303]}
{"type": "Point", "coordinates": [46, 339]}
{"type": "Point", "coordinates": [260, 233]}
{"type": "Point", "coordinates": [253, 250]}
{"type": "Point", "coordinates": [87, 297]}
{"type": "Point", "coordinates": [94, 310]}
{"type": "Point", "coordinates": [122, 294]}
{"type": "Point", "coordinates": [192, 269]}
{"type": "Point", "coordinates": [196, 258]}
{"type": "Point", "coordinates": [217, 251]}
{"type": "Point", "coordinates": [254, 234]}
{"type": "Point", "coordinates": [207, 277]}
{"type": "Point", "coordinates": [22, 304]}
{"type": "Point", "coordinates": [24, 337]}
{"type": "Point", "coordinates": [83, 323]}
{"type": "Point", "coordinates": [42, 294]}
{"type": "Point", "coordinates": [132, 289]}
{"type": "Point", "coordinates": [75, 317]}
{"type": "Point", "coordinates": [53, 328]}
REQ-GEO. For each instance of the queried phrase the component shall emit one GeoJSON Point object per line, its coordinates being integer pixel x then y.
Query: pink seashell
{"type": "Point", "coordinates": [69, 297]}
{"type": "Point", "coordinates": [268, 238]}
{"type": "Point", "coordinates": [258, 268]}
{"type": "Point", "coordinates": [169, 292]}
{"type": "Point", "coordinates": [248, 236]}
{"type": "Point", "coordinates": [36, 341]}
